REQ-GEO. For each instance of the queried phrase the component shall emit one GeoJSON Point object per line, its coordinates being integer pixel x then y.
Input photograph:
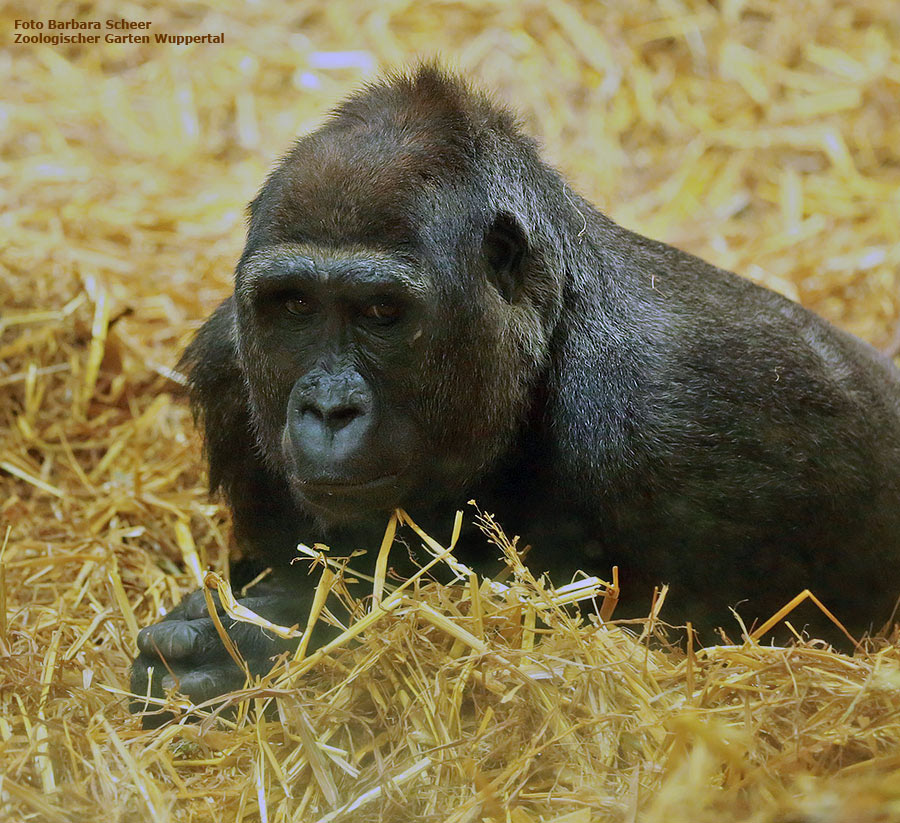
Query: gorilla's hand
{"type": "Point", "coordinates": [185, 650]}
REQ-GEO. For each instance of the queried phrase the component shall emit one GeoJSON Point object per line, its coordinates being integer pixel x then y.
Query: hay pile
{"type": "Point", "coordinates": [761, 135]}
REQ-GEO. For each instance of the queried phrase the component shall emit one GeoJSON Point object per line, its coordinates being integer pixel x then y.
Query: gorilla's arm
{"type": "Point", "coordinates": [266, 525]}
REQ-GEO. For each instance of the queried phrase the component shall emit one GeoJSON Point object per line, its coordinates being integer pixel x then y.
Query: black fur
{"type": "Point", "coordinates": [612, 399]}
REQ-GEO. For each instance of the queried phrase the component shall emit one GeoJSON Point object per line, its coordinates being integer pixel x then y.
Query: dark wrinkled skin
{"type": "Point", "coordinates": [424, 313]}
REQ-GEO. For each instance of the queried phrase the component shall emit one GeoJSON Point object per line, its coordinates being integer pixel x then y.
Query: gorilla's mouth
{"type": "Point", "coordinates": [348, 485]}
{"type": "Point", "coordinates": [348, 498]}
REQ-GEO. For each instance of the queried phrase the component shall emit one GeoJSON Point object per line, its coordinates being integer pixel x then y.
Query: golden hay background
{"type": "Point", "coordinates": [762, 135]}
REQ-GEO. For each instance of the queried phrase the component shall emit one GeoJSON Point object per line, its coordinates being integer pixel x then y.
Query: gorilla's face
{"type": "Point", "coordinates": [332, 343]}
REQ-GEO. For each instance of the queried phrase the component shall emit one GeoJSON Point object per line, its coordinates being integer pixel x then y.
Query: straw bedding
{"type": "Point", "coordinates": [761, 135]}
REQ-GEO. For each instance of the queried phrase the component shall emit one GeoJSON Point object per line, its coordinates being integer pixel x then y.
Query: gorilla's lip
{"type": "Point", "coordinates": [346, 498]}
{"type": "Point", "coordinates": [346, 485]}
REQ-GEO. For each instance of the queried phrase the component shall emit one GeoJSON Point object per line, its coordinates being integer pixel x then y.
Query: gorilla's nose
{"type": "Point", "coordinates": [331, 417]}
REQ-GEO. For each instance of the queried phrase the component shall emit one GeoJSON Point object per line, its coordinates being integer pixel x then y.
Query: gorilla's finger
{"type": "Point", "coordinates": [253, 642]}
{"type": "Point", "coordinates": [205, 682]}
{"type": "Point", "coordinates": [194, 605]}
{"type": "Point", "coordinates": [177, 640]}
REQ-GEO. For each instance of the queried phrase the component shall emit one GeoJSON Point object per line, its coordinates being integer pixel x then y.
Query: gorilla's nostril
{"type": "Point", "coordinates": [338, 418]}
{"type": "Point", "coordinates": [312, 411]}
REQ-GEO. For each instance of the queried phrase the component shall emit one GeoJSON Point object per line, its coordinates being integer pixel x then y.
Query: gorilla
{"type": "Point", "coordinates": [425, 312]}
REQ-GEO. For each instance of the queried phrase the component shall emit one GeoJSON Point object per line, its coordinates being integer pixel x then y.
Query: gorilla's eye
{"type": "Point", "coordinates": [296, 305]}
{"type": "Point", "coordinates": [383, 311]}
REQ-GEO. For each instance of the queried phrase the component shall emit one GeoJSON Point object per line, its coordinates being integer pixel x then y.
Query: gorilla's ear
{"type": "Point", "coordinates": [505, 245]}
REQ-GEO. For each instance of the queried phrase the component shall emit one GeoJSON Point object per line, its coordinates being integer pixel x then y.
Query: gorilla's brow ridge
{"type": "Point", "coordinates": [285, 261]}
